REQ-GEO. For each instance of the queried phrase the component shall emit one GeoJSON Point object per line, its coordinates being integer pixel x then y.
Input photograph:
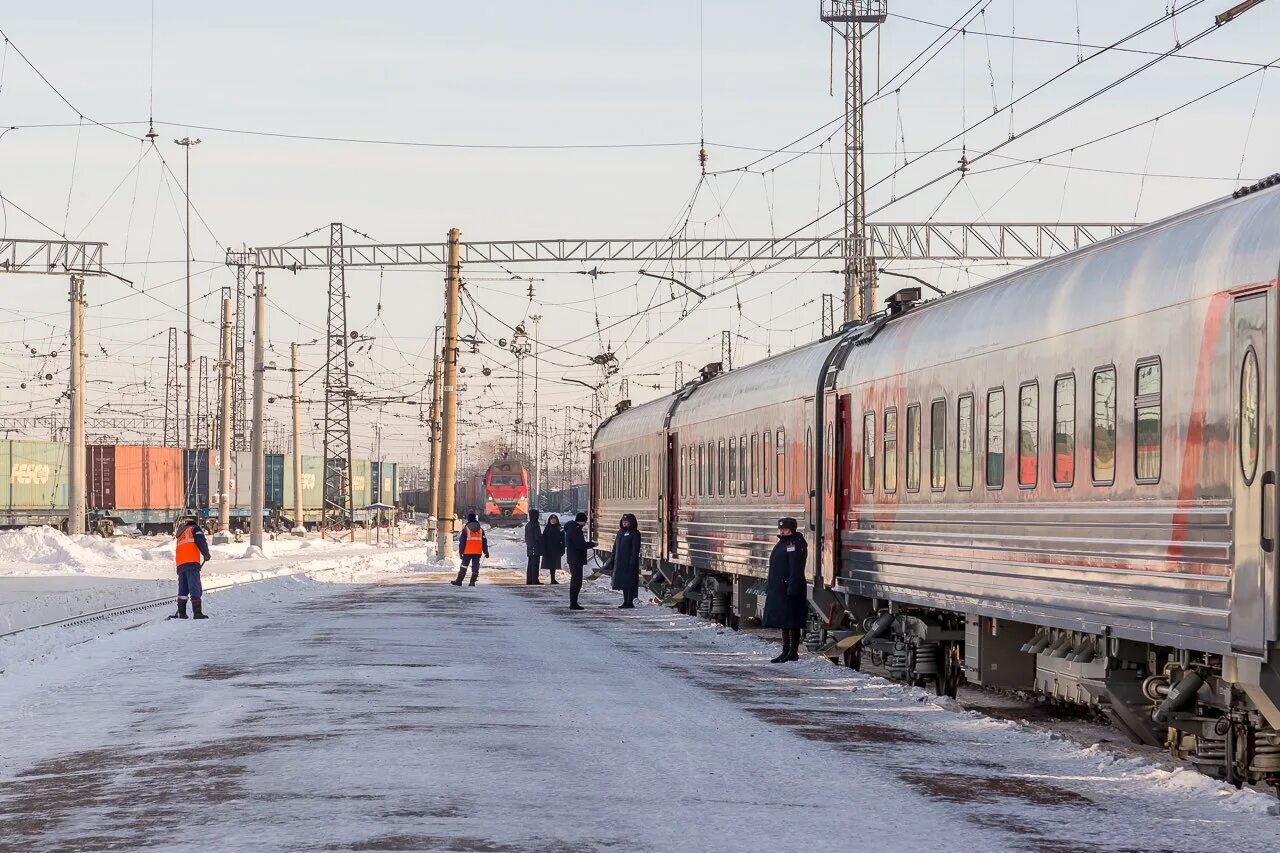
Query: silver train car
{"type": "Point", "coordinates": [1061, 481]}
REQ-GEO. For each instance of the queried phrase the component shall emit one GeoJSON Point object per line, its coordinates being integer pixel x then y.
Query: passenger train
{"type": "Point", "coordinates": [1061, 481]}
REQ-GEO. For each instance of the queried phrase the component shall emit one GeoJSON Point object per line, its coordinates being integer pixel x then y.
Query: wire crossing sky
{"type": "Point", "coordinates": [512, 120]}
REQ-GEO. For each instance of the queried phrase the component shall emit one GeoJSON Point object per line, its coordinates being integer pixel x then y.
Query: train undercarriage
{"type": "Point", "coordinates": [1176, 699]}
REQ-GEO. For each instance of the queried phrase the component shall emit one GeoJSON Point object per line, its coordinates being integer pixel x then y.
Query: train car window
{"type": "Point", "coordinates": [684, 471]}
{"type": "Point", "coordinates": [733, 465]}
{"type": "Point", "coordinates": [702, 450]}
{"type": "Point", "coordinates": [1104, 426]}
{"type": "Point", "coordinates": [645, 479]}
{"type": "Point", "coordinates": [938, 445]}
{"type": "Point", "coordinates": [780, 454]}
{"type": "Point", "coordinates": [766, 454]}
{"type": "Point", "coordinates": [995, 438]}
{"type": "Point", "coordinates": [1064, 430]}
{"type": "Point", "coordinates": [808, 460]}
{"type": "Point", "coordinates": [1146, 411]}
{"type": "Point", "coordinates": [720, 468]}
{"type": "Point", "coordinates": [829, 459]}
{"type": "Point", "coordinates": [913, 448]}
{"type": "Point", "coordinates": [755, 463]}
{"type": "Point", "coordinates": [1249, 395]}
{"type": "Point", "coordinates": [742, 465]}
{"type": "Point", "coordinates": [964, 443]}
{"type": "Point", "coordinates": [890, 461]}
{"type": "Point", "coordinates": [711, 468]}
{"type": "Point", "coordinates": [1028, 434]}
{"type": "Point", "coordinates": [869, 452]}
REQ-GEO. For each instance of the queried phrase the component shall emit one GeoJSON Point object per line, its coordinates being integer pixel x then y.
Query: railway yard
{"type": "Point", "coordinates": [681, 426]}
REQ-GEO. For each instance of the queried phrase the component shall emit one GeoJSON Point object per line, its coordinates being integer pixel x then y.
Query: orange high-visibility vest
{"type": "Point", "coordinates": [474, 543]}
{"type": "Point", "coordinates": [187, 551]}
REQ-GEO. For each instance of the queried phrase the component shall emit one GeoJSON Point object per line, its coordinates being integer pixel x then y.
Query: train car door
{"type": "Point", "coordinates": [1253, 578]}
{"type": "Point", "coordinates": [593, 498]}
{"type": "Point", "coordinates": [670, 502]}
{"type": "Point", "coordinates": [830, 512]}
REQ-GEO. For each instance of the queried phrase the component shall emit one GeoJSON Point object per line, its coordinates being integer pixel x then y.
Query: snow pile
{"type": "Point", "coordinates": [44, 546]}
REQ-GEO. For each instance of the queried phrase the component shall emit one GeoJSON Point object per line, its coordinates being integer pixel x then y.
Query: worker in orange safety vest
{"type": "Point", "coordinates": [472, 542]}
{"type": "Point", "coordinates": [189, 555]}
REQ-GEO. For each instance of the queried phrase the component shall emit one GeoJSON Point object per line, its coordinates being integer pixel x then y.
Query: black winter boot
{"type": "Point", "coordinates": [196, 610]}
{"type": "Point", "coordinates": [794, 643]}
{"type": "Point", "coordinates": [182, 610]}
{"type": "Point", "coordinates": [785, 655]}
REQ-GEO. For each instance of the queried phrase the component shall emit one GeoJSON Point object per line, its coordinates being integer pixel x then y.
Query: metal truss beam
{"type": "Point", "coordinates": [1013, 241]}
{"type": "Point", "coordinates": [52, 257]}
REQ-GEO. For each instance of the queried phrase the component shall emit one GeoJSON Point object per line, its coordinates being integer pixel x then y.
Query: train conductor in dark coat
{"type": "Point", "coordinates": [626, 560]}
{"type": "Point", "coordinates": [787, 602]}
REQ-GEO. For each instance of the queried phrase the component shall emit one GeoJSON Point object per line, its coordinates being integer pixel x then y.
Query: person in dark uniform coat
{"type": "Point", "coordinates": [576, 549]}
{"type": "Point", "coordinates": [626, 560]}
{"type": "Point", "coordinates": [552, 546]}
{"type": "Point", "coordinates": [532, 547]}
{"type": "Point", "coordinates": [787, 602]}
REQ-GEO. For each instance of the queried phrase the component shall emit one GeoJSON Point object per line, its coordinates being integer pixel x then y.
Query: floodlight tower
{"type": "Point", "coordinates": [847, 17]}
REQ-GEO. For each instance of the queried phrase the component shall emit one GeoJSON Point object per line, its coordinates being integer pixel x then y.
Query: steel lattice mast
{"type": "Point", "coordinates": [859, 268]}
{"type": "Point", "coordinates": [338, 497]}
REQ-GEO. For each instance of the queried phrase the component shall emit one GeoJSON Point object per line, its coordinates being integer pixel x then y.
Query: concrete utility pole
{"type": "Point", "coordinates": [76, 463]}
{"type": "Point", "coordinates": [257, 492]}
{"type": "Point", "coordinates": [449, 403]}
{"type": "Point", "coordinates": [299, 529]}
{"type": "Point", "coordinates": [437, 382]}
{"type": "Point", "coordinates": [537, 434]}
{"type": "Point", "coordinates": [188, 143]}
{"type": "Point", "coordinates": [224, 429]}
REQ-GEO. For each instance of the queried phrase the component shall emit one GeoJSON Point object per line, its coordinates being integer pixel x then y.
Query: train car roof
{"type": "Point", "coordinates": [781, 378]}
{"type": "Point", "coordinates": [1189, 256]}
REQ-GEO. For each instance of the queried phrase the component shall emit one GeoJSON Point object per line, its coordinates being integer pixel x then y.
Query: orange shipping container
{"type": "Point", "coordinates": [148, 477]}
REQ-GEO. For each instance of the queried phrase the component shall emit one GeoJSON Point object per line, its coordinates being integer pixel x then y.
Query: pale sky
{"type": "Point", "coordinates": [751, 75]}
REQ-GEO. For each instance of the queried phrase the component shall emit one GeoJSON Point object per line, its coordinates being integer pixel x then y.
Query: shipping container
{"type": "Point", "coordinates": [242, 478]}
{"type": "Point", "coordinates": [101, 471]}
{"type": "Point", "coordinates": [37, 475]}
{"type": "Point", "coordinates": [37, 491]}
{"type": "Point", "coordinates": [196, 479]}
{"type": "Point", "coordinates": [386, 490]}
{"type": "Point", "coordinates": [361, 483]}
{"type": "Point", "coordinates": [273, 480]}
{"type": "Point", "coordinates": [312, 486]}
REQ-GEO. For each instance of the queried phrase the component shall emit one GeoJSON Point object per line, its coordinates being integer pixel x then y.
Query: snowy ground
{"type": "Point", "coordinates": [373, 706]}
{"type": "Point", "coordinates": [46, 575]}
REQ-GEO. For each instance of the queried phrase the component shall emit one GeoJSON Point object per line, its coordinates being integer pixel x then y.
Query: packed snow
{"type": "Point", "coordinates": [358, 701]}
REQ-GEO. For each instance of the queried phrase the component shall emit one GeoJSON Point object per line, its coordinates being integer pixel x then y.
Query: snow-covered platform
{"type": "Point", "coordinates": [399, 712]}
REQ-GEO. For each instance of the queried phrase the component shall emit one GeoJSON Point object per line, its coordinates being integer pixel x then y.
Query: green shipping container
{"type": "Point", "coordinates": [361, 483]}
{"type": "Point", "coordinates": [37, 475]}
{"type": "Point", "coordinates": [312, 484]}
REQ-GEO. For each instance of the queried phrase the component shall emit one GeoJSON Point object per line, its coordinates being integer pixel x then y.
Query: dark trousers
{"type": "Point", "coordinates": [531, 571]}
{"type": "Point", "coordinates": [629, 593]}
{"type": "Point", "coordinates": [575, 583]}
{"type": "Point", "coordinates": [472, 560]}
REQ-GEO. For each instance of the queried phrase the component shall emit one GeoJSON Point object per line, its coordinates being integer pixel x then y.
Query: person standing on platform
{"type": "Point", "coordinates": [552, 546]}
{"type": "Point", "coordinates": [191, 552]}
{"type": "Point", "coordinates": [472, 543]}
{"type": "Point", "coordinates": [626, 561]}
{"type": "Point", "coordinates": [576, 549]}
{"type": "Point", "coordinates": [786, 604]}
{"type": "Point", "coordinates": [532, 548]}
